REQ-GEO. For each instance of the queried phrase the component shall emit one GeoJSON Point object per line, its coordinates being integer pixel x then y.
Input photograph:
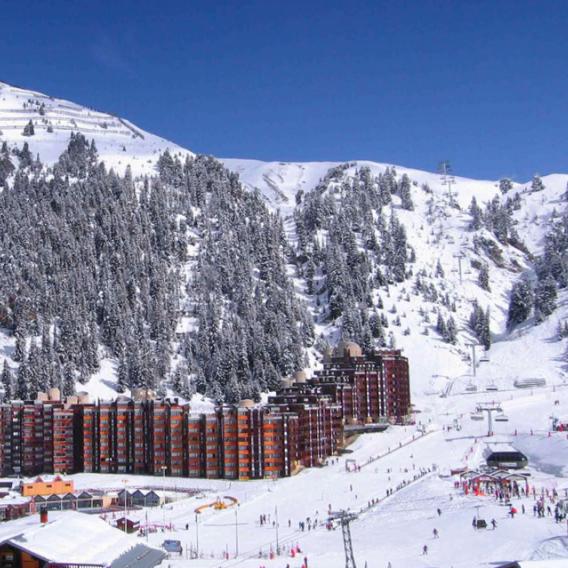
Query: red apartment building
{"type": "Point", "coordinates": [370, 387]}
{"type": "Point", "coordinates": [301, 426]}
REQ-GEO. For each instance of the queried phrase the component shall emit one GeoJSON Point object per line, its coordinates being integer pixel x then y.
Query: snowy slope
{"type": "Point", "coordinates": [435, 230]}
{"type": "Point", "coordinates": [119, 142]}
{"type": "Point", "coordinates": [439, 232]}
{"type": "Point", "coordinates": [279, 182]}
{"type": "Point", "coordinates": [393, 529]}
{"type": "Point", "coordinates": [396, 528]}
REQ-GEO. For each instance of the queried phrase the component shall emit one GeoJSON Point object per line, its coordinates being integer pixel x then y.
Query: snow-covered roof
{"type": "Point", "coordinates": [501, 447]}
{"type": "Point", "coordinates": [71, 537]}
{"type": "Point", "coordinates": [44, 478]}
{"type": "Point", "coordinates": [13, 499]}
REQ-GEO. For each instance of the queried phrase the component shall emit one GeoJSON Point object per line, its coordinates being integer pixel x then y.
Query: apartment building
{"type": "Point", "coordinates": [300, 426]}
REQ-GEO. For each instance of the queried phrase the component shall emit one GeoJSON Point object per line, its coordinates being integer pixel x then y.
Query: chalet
{"type": "Point", "coordinates": [14, 506]}
{"type": "Point", "coordinates": [127, 525]}
{"type": "Point", "coordinates": [72, 540]}
{"type": "Point", "coordinates": [142, 498]}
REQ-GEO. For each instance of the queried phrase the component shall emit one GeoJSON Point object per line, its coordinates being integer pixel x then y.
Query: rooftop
{"type": "Point", "coordinates": [70, 537]}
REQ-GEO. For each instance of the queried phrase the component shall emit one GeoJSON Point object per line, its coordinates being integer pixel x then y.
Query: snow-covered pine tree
{"type": "Point", "coordinates": [521, 303]}
{"type": "Point", "coordinates": [505, 185]}
{"type": "Point", "coordinates": [29, 129]}
{"type": "Point", "coordinates": [483, 277]}
{"type": "Point", "coordinates": [7, 381]}
{"type": "Point", "coordinates": [405, 193]}
{"type": "Point", "coordinates": [476, 215]}
{"type": "Point", "coordinates": [537, 184]}
{"type": "Point", "coordinates": [452, 331]}
{"type": "Point", "coordinates": [544, 298]}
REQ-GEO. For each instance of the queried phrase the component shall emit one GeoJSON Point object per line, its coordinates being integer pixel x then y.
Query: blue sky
{"type": "Point", "coordinates": [482, 84]}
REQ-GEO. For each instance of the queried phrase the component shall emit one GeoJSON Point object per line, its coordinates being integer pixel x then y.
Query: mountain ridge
{"type": "Point", "coordinates": [438, 229]}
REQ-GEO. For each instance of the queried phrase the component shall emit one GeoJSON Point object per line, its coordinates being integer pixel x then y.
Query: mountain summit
{"type": "Point", "coordinates": [45, 123]}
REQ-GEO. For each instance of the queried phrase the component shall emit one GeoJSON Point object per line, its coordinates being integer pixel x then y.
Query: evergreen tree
{"type": "Point", "coordinates": [28, 129]}
{"type": "Point", "coordinates": [22, 388]}
{"type": "Point", "coordinates": [404, 189]}
{"type": "Point", "coordinates": [68, 385]}
{"type": "Point", "coordinates": [536, 184]}
{"type": "Point", "coordinates": [452, 331]}
{"type": "Point", "coordinates": [439, 270]}
{"type": "Point", "coordinates": [544, 298]}
{"type": "Point", "coordinates": [7, 381]}
{"type": "Point", "coordinates": [505, 185]}
{"type": "Point", "coordinates": [20, 349]}
{"type": "Point", "coordinates": [483, 277]}
{"type": "Point", "coordinates": [476, 215]}
{"type": "Point", "coordinates": [441, 327]}
{"type": "Point", "coordinates": [520, 303]}
{"type": "Point", "coordinates": [479, 323]}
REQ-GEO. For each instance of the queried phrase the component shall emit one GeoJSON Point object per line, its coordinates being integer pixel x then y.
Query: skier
{"type": "Point", "coordinates": [494, 523]}
{"type": "Point", "coordinates": [435, 533]}
{"type": "Point", "coordinates": [439, 512]}
{"type": "Point", "coordinates": [425, 550]}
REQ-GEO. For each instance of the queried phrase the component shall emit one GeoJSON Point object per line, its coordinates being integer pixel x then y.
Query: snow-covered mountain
{"type": "Point", "coordinates": [441, 233]}
{"type": "Point", "coordinates": [438, 234]}
{"type": "Point", "coordinates": [118, 141]}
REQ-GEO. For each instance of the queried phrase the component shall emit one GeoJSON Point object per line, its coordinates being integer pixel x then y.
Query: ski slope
{"type": "Point", "coordinates": [393, 529]}
{"type": "Point", "coordinates": [119, 142]}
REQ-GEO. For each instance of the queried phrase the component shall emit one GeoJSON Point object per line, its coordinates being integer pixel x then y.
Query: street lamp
{"type": "Point", "coordinates": [197, 533]}
{"type": "Point", "coordinates": [277, 540]}
{"type": "Point", "coordinates": [237, 530]}
{"type": "Point", "coordinates": [125, 481]}
{"type": "Point", "coordinates": [164, 468]}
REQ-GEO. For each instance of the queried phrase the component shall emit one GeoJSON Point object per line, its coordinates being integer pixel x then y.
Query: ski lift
{"type": "Point", "coordinates": [501, 418]}
{"type": "Point", "coordinates": [492, 387]}
{"type": "Point", "coordinates": [477, 416]}
{"type": "Point", "coordinates": [484, 358]}
{"type": "Point", "coordinates": [471, 388]}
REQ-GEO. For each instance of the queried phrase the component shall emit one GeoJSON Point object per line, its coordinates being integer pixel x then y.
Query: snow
{"type": "Point", "coordinates": [69, 537]}
{"type": "Point", "coordinates": [398, 526]}
{"type": "Point", "coordinates": [396, 529]}
{"type": "Point", "coordinates": [119, 142]}
{"type": "Point", "coordinates": [443, 235]}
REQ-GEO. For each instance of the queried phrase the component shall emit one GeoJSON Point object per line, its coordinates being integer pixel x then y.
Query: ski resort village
{"type": "Point", "coordinates": [217, 362]}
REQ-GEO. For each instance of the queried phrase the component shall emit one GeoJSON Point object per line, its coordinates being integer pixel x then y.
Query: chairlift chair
{"type": "Point", "coordinates": [471, 388]}
{"type": "Point", "coordinates": [477, 416]}
{"type": "Point", "coordinates": [501, 418]}
{"type": "Point", "coordinates": [492, 387]}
